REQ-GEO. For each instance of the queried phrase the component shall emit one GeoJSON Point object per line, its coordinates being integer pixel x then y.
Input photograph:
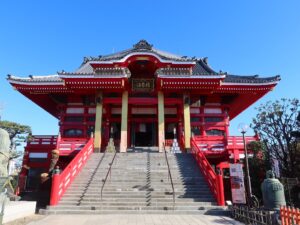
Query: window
{"type": "Point", "coordinates": [74, 119]}
{"type": "Point", "coordinates": [73, 133]}
{"type": "Point", "coordinates": [215, 132]}
{"type": "Point", "coordinates": [195, 119]}
{"type": "Point", "coordinates": [92, 110]}
{"type": "Point", "coordinates": [212, 111]}
{"type": "Point", "coordinates": [91, 119]}
{"type": "Point", "coordinates": [38, 157]}
{"type": "Point", "coordinates": [75, 110]}
{"type": "Point", "coordinates": [213, 119]}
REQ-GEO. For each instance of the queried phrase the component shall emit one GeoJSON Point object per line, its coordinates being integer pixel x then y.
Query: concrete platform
{"type": "Point", "coordinates": [123, 219]}
{"type": "Point", "coordinates": [17, 210]}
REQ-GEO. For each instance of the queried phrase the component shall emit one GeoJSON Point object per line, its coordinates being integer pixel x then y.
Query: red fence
{"type": "Point", "coordinates": [289, 215]}
{"type": "Point", "coordinates": [60, 182]}
{"type": "Point", "coordinates": [38, 140]}
{"type": "Point", "coordinates": [236, 142]}
{"type": "Point", "coordinates": [215, 181]}
{"type": "Point", "coordinates": [67, 146]}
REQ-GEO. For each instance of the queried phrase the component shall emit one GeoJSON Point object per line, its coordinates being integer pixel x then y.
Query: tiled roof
{"type": "Point", "coordinates": [85, 69]}
{"type": "Point", "coordinates": [202, 68]}
{"type": "Point", "coordinates": [108, 71]}
{"type": "Point", "coordinates": [36, 79]}
{"type": "Point", "coordinates": [141, 46]}
{"type": "Point", "coordinates": [250, 79]}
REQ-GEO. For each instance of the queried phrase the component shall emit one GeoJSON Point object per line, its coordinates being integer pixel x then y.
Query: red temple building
{"type": "Point", "coordinates": [140, 97]}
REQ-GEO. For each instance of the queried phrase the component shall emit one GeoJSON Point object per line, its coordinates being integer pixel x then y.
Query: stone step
{"type": "Point", "coordinates": [121, 180]}
{"type": "Point", "coordinates": [136, 184]}
{"type": "Point", "coordinates": [142, 176]}
{"type": "Point", "coordinates": [133, 207]}
{"type": "Point", "coordinates": [126, 200]}
{"type": "Point", "coordinates": [210, 211]}
{"type": "Point", "coordinates": [135, 203]}
{"type": "Point", "coordinates": [139, 182]}
{"type": "Point", "coordinates": [133, 195]}
{"type": "Point", "coordinates": [130, 188]}
{"type": "Point", "coordinates": [132, 192]}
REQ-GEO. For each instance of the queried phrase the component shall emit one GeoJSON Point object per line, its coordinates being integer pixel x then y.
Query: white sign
{"type": "Point", "coordinates": [237, 184]}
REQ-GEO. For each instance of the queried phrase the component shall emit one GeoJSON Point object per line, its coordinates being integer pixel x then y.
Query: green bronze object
{"type": "Point", "coordinates": [273, 192]}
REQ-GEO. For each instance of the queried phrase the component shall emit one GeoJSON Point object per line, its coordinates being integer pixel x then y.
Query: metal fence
{"type": "Point", "coordinates": [252, 216]}
{"type": "Point", "coordinates": [290, 187]}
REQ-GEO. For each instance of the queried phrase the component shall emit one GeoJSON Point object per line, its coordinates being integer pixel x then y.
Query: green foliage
{"type": "Point", "coordinates": [258, 164]}
{"type": "Point", "coordinates": [15, 130]}
{"type": "Point", "coordinates": [275, 123]}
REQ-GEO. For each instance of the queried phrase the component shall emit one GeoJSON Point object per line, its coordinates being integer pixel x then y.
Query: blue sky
{"type": "Point", "coordinates": [240, 37]}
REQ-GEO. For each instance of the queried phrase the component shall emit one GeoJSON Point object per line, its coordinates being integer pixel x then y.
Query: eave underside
{"type": "Point", "coordinates": [244, 95]}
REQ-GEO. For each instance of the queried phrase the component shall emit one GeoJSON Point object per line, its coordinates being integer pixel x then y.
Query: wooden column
{"type": "Point", "coordinates": [98, 122]}
{"type": "Point", "coordinates": [161, 121]}
{"type": "Point", "coordinates": [187, 121]}
{"type": "Point", "coordinates": [123, 142]}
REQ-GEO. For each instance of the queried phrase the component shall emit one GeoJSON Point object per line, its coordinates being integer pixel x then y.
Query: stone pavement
{"type": "Point", "coordinates": [133, 219]}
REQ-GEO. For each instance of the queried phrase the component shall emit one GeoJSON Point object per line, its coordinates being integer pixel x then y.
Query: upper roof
{"type": "Point", "coordinates": [141, 47]}
{"type": "Point", "coordinates": [199, 68]}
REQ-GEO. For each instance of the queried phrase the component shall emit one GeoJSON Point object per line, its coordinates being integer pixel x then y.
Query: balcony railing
{"type": "Point", "coordinates": [37, 140]}
{"type": "Point", "coordinates": [67, 146]}
{"type": "Point", "coordinates": [236, 142]}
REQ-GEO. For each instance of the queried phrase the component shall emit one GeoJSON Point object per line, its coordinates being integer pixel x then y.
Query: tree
{"type": "Point", "coordinates": [258, 165]}
{"type": "Point", "coordinates": [275, 123]}
{"type": "Point", "coordinates": [18, 133]}
{"type": "Point", "coordinates": [296, 133]}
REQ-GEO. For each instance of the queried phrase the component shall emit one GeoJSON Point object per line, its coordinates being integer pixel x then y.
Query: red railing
{"type": "Point", "coordinates": [236, 142]}
{"type": "Point", "coordinates": [289, 215]}
{"type": "Point", "coordinates": [67, 146]}
{"type": "Point", "coordinates": [211, 144]}
{"type": "Point", "coordinates": [214, 181]}
{"type": "Point", "coordinates": [42, 140]}
{"type": "Point", "coordinates": [60, 182]}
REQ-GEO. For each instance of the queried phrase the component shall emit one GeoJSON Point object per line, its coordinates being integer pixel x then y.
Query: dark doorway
{"type": "Point", "coordinates": [143, 134]}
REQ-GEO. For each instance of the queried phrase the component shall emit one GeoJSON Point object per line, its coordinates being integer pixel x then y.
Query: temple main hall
{"type": "Point", "coordinates": [136, 100]}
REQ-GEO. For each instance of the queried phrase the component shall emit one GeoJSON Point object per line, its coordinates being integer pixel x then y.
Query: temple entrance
{"type": "Point", "coordinates": [143, 134]}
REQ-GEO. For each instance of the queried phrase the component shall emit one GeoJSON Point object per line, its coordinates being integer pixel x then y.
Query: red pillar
{"type": "Point", "coordinates": [54, 196]}
{"type": "Point", "coordinates": [221, 198]}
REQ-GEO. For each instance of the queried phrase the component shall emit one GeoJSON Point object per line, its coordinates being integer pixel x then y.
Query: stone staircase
{"type": "Point", "coordinates": [138, 183]}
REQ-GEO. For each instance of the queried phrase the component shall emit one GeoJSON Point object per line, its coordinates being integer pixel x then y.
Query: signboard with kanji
{"type": "Point", "coordinates": [142, 84]}
{"type": "Point", "coordinates": [237, 184]}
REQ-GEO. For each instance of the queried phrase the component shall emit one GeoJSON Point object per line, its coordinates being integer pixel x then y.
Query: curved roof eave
{"type": "Point", "coordinates": [250, 80]}
{"type": "Point", "coordinates": [123, 59]}
{"type": "Point", "coordinates": [35, 80]}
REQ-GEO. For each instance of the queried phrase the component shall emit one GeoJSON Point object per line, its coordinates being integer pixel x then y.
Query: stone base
{"type": "Point", "coordinates": [18, 209]}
